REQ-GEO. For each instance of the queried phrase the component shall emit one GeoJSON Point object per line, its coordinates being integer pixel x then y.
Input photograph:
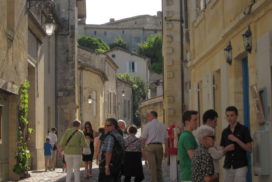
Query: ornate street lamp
{"type": "Point", "coordinates": [47, 7]}
{"type": "Point", "coordinates": [228, 53]}
{"type": "Point", "coordinates": [90, 100]}
{"type": "Point", "coordinates": [49, 25]}
{"type": "Point", "coordinates": [247, 37]}
{"type": "Point", "coordinates": [123, 93]}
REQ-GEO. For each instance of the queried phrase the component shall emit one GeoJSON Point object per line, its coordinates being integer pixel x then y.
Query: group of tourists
{"type": "Point", "coordinates": [198, 155]}
{"type": "Point", "coordinates": [118, 151]}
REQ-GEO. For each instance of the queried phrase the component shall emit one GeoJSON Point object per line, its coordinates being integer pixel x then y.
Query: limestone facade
{"type": "Point", "coordinates": [243, 82]}
{"type": "Point", "coordinates": [124, 101]}
{"type": "Point", "coordinates": [173, 62]}
{"type": "Point", "coordinates": [133, 30]}
{"type": "Point", "coordinates": [13, 71]}
{"type": "Point", "coordinates": [91, 81]}
{"type": "Point", "coordinates": [129, 62]}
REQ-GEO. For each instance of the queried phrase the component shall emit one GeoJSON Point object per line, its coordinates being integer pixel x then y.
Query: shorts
{"type": "Point", "coordinates": [87, 158]}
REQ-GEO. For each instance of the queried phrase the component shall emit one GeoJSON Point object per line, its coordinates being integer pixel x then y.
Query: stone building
{"type": "Point", "coordinates": [124, 101]}
{"type": "Point", "coordinates": [129, 62]}
{"type": "Point", "coordinates": [91, 82]}
{"type": "Point", "coordinates": [13, 71]}
{"type": "Point", "coordinates": [67, 106]}
{"type": "Point", "coordinates": [133, 30]}
{"type": "Point", "coordinates": [227, 48]}
{"type": "Point", "coordinates": [28, 54]}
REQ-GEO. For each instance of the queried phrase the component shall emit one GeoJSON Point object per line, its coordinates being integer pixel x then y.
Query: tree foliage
{"type": "Point", "coordinates": [139, 89]}
{"type": "Point", "coordinates": [93, 43]}
{"type": "Point", "coordinates": [119, 42]}
{"type": "Point", "coordinates": [152, 49]}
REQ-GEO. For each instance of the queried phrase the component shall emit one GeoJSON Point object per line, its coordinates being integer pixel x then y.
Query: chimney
{"type": "Point", "coordinates": [112, 20]}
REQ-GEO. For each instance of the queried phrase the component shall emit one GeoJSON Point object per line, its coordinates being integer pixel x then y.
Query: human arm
{"type": "Point", "coordinates": [108, 156]}
{"type": "Point", "coordinates": [211, 178]}
{"type": "Point", "coordinates": [190, 153]}
{"type": "Point", "coordinates": [246, 146]}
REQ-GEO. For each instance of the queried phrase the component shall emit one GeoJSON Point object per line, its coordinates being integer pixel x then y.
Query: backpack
{"type": "Point", "coordinates": [117, 159]}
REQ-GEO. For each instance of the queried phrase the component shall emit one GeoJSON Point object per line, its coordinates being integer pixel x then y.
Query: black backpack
{"type": "Point", "coordinates": [117, 159]}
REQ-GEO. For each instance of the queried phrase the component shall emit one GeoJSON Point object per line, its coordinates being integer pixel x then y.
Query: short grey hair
{"type": "Point", "coordinates": [204, 131]}
{"type": "Point", "coordinates": [122, 121]}
{"type": "Point", "coordinates": [76, 123]}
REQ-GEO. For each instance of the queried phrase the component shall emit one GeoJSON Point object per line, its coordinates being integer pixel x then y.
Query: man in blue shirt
{"type": "Point", "coordinates": [47, 152]}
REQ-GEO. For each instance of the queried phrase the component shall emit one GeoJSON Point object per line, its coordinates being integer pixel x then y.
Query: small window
{"type": "Point", "coordinates": [94, 102]}
{"type": "Point", "coordinates": [113, 55]}
{"type": "Point", "coordinates": [94, 32]}
{"type": "Point", "coordinates": [155, 31]}
{"type": "Point", "coordinates": [135, 22]}
{"type": "Point", "coordinates": [105, 33]}
{"type": "Point", "coordinates": [132, 67]}
{"type": "Point", "coordinates": [123, 31]}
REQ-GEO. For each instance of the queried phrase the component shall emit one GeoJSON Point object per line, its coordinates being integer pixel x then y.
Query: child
{"type": "Point", "coordinates": [47, 152]}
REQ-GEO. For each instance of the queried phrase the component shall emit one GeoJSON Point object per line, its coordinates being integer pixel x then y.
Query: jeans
{"type": "Point", "coordinates": [73, 165]}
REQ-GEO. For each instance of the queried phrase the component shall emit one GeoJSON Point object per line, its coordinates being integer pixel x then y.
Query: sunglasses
{"type": "Point", "coordinates": [213, 137]}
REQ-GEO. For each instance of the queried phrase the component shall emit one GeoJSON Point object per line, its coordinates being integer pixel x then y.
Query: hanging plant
{"type": "Point", "coordinates": [23, 154]}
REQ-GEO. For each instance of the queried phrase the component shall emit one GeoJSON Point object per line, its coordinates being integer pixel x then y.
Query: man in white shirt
{"type": "Point", "coordinates": [53, 141]}
{"type": "Point", "coordinates": [154, 135]}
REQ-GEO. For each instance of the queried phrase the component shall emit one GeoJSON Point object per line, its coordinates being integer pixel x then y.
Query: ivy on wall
{"type": "Point", "coordinates": [23, 154]}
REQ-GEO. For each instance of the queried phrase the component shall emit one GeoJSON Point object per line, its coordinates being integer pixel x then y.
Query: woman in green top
{"type": "Point", "coordinates": [72, 142]}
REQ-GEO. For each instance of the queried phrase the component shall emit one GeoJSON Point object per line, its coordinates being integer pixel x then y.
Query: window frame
{"type": "Point", "coordinates": [1, 123]}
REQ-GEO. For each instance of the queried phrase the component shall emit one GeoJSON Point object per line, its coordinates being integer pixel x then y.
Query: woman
{"type": "Point", "coordinates": [87, 157]}
{"type": "Point", "coordinates": [202, 161]}
{"type": "Point", "coordinates": [133, 156]}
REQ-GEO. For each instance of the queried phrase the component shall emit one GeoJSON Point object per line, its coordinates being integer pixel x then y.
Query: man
{"type": "Point", "coordinates": [235, 163]}
{"type": "Point", "coordinates": [210, 119]}
{"type": "Point", "coordinates": [122, 126]}
{"type": "Point", "coordinates": [73, 141]}
{"type": "Point", "coordinates": [154, 135]}
{"type": "Point", "coordinates": [53, 141]}
{"type": "Point", "coordinates": [187, 144]}
{"type": "Point", "coordinates": [109, 170]}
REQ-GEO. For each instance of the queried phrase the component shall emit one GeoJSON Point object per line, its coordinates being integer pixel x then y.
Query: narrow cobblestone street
{"type": "Point", "coordinates": [59, 176]}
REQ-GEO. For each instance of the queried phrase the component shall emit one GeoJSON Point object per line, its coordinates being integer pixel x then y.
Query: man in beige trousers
{"type": "Point", "coordinates": [154, 135]}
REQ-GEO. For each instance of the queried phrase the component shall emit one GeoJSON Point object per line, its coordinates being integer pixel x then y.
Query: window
{"type": "Point", "coordinates": [94, 102]}
{"type": "Point", "coordinates": [113, 55]}
{"type": "Point", "coordinates": [132, 67]}
{"type": "Point", "coordinates": [1, 112]}
{"type": "Point", "coordinates": [123, 31]}
{"type": "Point", "coordinates": [94, 32]}
{"type": "Point", "coordinates": [105, 33]}
{"type": "Point", "coordinates": [125, 108]}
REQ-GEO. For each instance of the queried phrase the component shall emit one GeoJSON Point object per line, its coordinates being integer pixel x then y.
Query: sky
{"type": "Point", "coordinates": [100, 11]}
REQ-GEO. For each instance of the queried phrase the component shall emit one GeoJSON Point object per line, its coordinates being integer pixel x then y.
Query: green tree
{"type": "Point", "coordinates": [119, 42]}
{"type": "Point", "coordinates": [152, 49]}
{"type": "Point", "coordinates": [93, 43]}
{"type": "Point", "coordinates": [139, 89]}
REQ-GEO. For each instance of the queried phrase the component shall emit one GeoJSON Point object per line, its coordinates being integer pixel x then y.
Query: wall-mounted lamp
{"type": "Point", "coordinates": [90, 99]}
{"type": "Point", "coordinates": [123, 93]}
{"type": "Point", "coordinates": [47, 7]}
{"type": "Point", "coordinates": [228, 53]}
{"type": "Point", "coordinates": [247, 38]}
